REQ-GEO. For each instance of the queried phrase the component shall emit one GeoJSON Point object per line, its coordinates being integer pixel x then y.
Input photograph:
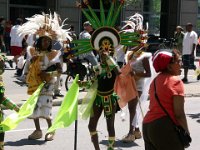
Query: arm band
{"type": "Point", "coordinates": [9, 104]}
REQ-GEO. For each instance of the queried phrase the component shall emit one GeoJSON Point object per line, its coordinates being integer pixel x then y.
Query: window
{"type": "Point", "coordinates": [29, 2]}
{"type": "Point", "coordinates": [198, 18]}
{"type": "Point", "coordinates": [151, 13]}
{"type": "Point", "coordinates": [23, 9]}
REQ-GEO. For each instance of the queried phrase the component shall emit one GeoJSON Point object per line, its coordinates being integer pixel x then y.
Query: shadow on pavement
{"type": "Point", "coordinates": [23, 142]}
{"type": "Point", "coordinates": [20, 83]}
{"type": "Point", "coordinates": [195, 116]}
{"type": "Point", "coordinates": [119, 144]}
{"type": "Point", "coordinates": [191, 82]}
{"type": "Point", "coordinates": [10, 69]}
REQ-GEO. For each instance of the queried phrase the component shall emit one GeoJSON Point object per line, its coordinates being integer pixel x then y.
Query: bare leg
{"type": "Point", "coordinates": [49, 123]}
{"type": "Point", "coordinates": [93, 125]}
{"type": "Point", "coordinates": [37, 124]}
{"type": "Point", "coordinates": [15, 59]}
{"type": "Point", "coordinates": [111, 129]}
{"type": "Point", "coordinates": [49, 136]}
{"type": "Point", "coordinates": [37, 134]}
{"type": "Point", "coordinates": [134, 127]}
{"type": "Point", "coordinates": [132, 108]}
{"type": "Point", "coordinates": [185, 73]}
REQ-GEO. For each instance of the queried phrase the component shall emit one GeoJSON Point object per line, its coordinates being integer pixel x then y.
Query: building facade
{"type": "Point", "coordinates": [162, 15]}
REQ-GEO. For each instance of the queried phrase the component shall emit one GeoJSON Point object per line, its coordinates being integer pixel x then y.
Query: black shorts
{"type": "Point", "coordinates": [188, 62]}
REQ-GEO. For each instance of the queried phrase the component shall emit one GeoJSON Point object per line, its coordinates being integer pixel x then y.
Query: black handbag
{"type": "Point", "coordinates": [183, 135]}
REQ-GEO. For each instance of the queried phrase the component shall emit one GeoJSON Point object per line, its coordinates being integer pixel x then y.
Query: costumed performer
{"type": "Point", "coordinates": [101, 95]}
{"type": "Point", "coordinates": [45, 66]}
{"type": "Point", "coordinates": [139, 63]}
{"type": "Point", "coordinates": [4, 101]}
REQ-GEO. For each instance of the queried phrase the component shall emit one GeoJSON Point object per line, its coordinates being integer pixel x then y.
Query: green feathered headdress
{"type": "Point", "coordinates": [105, 36]}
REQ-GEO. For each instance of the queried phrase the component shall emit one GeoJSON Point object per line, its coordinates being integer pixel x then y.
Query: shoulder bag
{"type": "Point", "coordinates": [183, 135]}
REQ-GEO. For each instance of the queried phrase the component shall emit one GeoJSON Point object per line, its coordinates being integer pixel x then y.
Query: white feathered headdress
{"type": "Point", "coordinates": [45, 25]}
{"type": "Point", "coordinates": [135, 24]}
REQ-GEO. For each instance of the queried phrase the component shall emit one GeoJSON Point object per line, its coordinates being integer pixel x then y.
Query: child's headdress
{"type": "Point", "coordinates": [45, 25]}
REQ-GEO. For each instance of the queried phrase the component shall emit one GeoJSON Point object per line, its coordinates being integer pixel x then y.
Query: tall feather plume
{"type": "Point", "coordinates": [45, 24]}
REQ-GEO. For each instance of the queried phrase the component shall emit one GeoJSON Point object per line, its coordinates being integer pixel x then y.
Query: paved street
{"type": "Point", "coordinates": [17, 139]}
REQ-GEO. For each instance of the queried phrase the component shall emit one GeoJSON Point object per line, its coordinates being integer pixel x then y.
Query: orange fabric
{"type": "Point", "coordinates": [125, 86]}
{"type": "Point", "coordinates": [166, 87]}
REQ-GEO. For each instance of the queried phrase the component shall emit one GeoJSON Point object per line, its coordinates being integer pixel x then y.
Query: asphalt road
{"type": "Point", "coordinates": [64, 138]}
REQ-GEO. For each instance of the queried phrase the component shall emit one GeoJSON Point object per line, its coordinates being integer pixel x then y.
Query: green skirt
{"type": "Point", "coordinates": [107, 102]}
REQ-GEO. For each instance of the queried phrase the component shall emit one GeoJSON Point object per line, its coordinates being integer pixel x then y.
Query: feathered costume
{"type": "Point", "coordinates": [125, 85]}
{"type": "Point", "coordinates": [4, 101]}
{"type": "Point", "coordinates": [44, 25]}
{"type": "Point", "coordinates": [104, 40]}
{"type": "Point", "coordinates": [45, 64]}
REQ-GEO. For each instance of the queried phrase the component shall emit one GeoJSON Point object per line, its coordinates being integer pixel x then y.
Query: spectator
{"type": "Point", "coordinates": [29, 52]}
{"type": "Point", "coordinates": [189, 46]}
{"type": "Point", "coordinates": [158, 130]}
{"type": "Point", "coordinates": [16, 40]}
{"type": "Point", "coordinates": [86, 34]}
{"type": "Point", "coordinates": [178, 36]}
{"type": "Point", "coordinates": [58, 46]}
{"type": "Point", "coordinates": [2, 43]}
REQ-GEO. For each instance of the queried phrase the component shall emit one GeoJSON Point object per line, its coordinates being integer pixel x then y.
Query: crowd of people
{"type": "Point", "coordinates": [39, 56]}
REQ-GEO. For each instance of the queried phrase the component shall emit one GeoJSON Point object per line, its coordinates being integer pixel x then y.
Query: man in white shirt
{"type": "Point", "coordinates": [16, 40]}
{"type": "Point", "coordinates": [189, 46]}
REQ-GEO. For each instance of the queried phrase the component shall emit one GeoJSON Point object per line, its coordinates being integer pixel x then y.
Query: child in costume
{"type": "Point", "coordinates": [47, 65]}
{"type": "Point", "coordinates": [4, 101]}
{"type": "Point", "coordinates": [44, 67]}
